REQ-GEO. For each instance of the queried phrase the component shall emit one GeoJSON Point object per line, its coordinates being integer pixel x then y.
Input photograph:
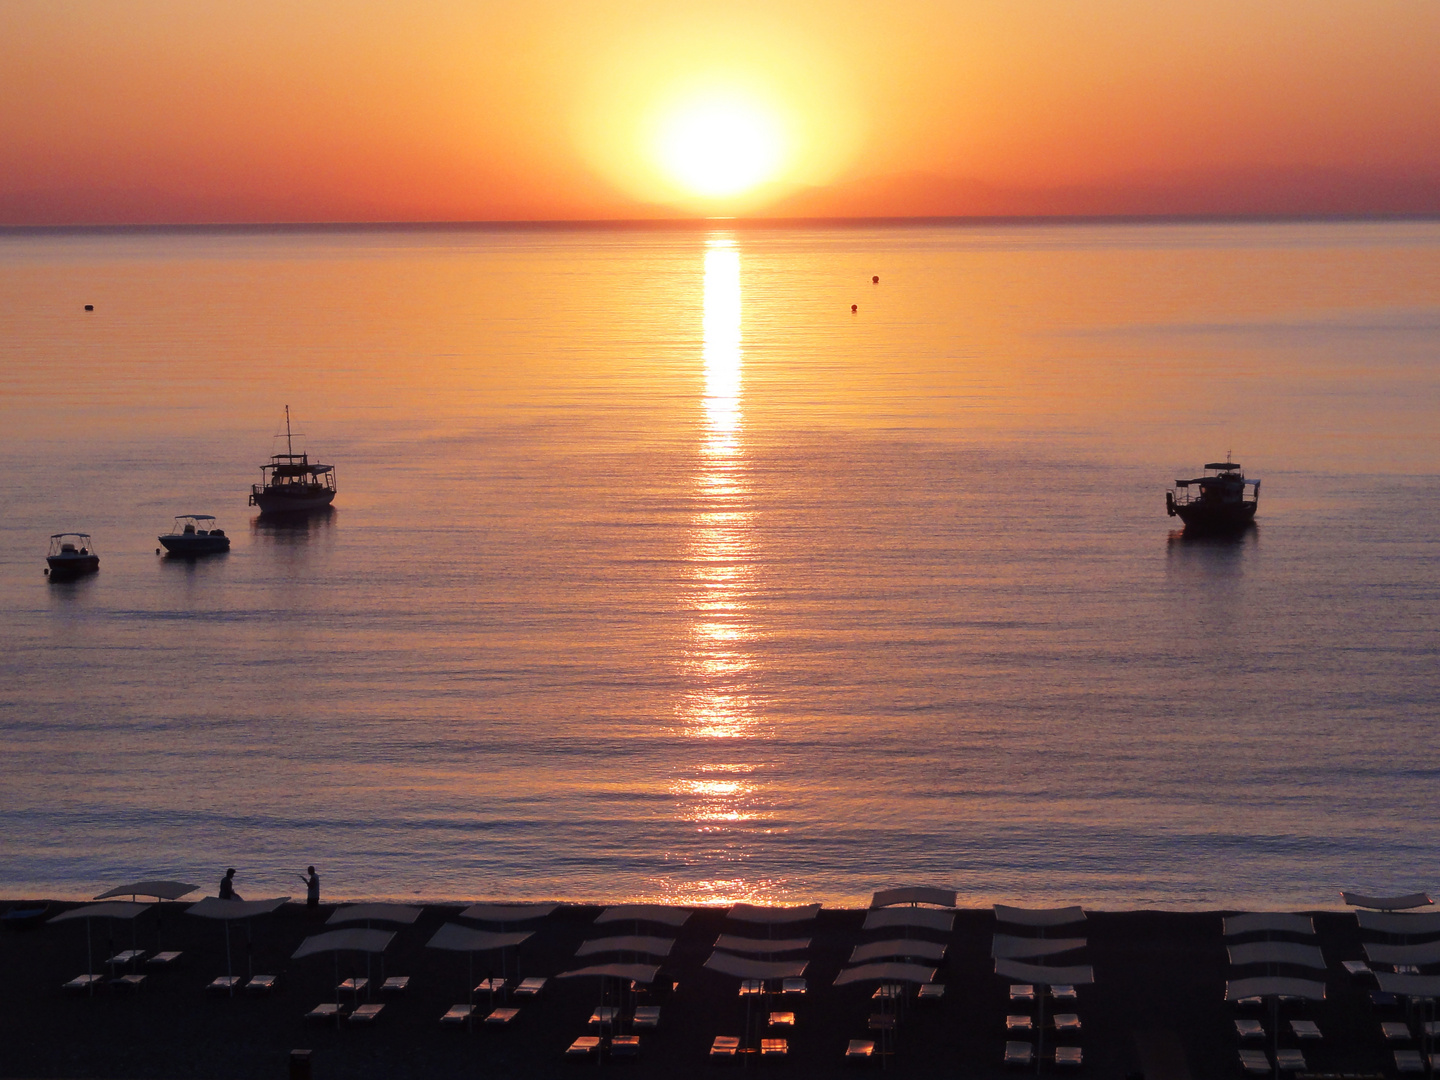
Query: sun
{"type": "Point", "coordinates": [719, 145]}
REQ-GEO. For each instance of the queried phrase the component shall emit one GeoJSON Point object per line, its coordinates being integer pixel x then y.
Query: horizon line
{"type": "Point", "coordinates": [711, 223]}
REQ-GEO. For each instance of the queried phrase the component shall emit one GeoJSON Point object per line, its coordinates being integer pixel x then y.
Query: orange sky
{"type": "Point", "coordinates": [188, 110]}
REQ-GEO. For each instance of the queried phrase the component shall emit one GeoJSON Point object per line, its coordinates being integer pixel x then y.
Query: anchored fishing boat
{"type": "Point", "coordinates": [291, 483]}
{"type": "Point", "coordinates": [195, 534]}
{"type": "Point", "coordinates": [1217, 501]}
{"type": "Point", "coordinates": [71, 554]}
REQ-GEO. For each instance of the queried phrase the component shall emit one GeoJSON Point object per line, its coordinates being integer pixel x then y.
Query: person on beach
{"type": "Point", "coordinates": [227, 886]}
{"type": "Point", "coordinates": [312, 890]}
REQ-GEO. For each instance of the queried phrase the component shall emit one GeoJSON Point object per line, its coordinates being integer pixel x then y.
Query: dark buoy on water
{"type": "Point", "coordinates": [875, 280]}
{"type": "Point", "coordinates": [89, 307]}
{"type": "Point", "coordinates": [854, 308]}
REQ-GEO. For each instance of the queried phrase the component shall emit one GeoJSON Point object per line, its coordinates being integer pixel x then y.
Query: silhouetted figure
{"type": "Point", "coordinates": [227, 886]}
{"type": "Point", "coordinates": [312, 890]}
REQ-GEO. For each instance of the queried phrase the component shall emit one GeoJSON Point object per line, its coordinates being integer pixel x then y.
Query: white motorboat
{"type": "Point", "coordinates": [195, 534]}
{"type": "Point", "coordinates": [71, 554]}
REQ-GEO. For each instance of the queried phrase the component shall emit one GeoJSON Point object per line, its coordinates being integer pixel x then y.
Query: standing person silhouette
{"type": "Point", "coordinates": [312, 891]}
{"type": "Point", "coordinates": [227, 886]}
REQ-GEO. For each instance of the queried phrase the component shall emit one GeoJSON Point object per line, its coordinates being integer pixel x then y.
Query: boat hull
{"type": "Point", "coordinates": [194, 545]}
{"type": "Point", "coordinates": [63, 566]}
{"type": "Point", "coordinates": [1231, 517]}
{"type": "Point", "coordinates": [275, 502]}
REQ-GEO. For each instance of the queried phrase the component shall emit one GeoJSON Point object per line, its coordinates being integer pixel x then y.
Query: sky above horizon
{"type": "Point", "coordinates": [355, 110]}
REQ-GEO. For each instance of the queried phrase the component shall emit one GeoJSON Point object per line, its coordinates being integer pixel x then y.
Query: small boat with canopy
{"type": "Point", "coordinates": [195, 534]}
{"type": "Point", "coordinates": [292, 483]}
{"type": "Point", "coordinates": [1221, 500]}
{"type": "Point", "coordinates": [71, 554]}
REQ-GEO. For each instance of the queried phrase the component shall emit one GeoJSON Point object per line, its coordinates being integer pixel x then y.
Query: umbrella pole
{"type": "Point", "coordinates": [470, 982]}
{"type": "Point", "coordinates": [336, 954]}
{"type": "Point", "coordinates": [229, 967]}
{"type": "Point", "coordinates": [89, 958]}
{"type": "Point", "coordinates": [1040, 1035]}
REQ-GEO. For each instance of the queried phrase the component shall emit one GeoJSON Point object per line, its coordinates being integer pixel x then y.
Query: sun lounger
{"type": "Point", "coordinates": [163, 959]}
{"type": "Point", "coordinates": [456, 1014]}
{"type": "Point", "coordinates": [366, 1014]}
{"type": "Point", "coordinates": [604, 1014]}
{"type": "Point", "coordinates": [1022, 992]}
{"type": "Point", "coordinates": [1019, 1023]}
{"type": "Point", "coordinates": [1305, 1029]}
{"type": "Point", "coordinates": [647, 1016]}
{"type": "Point", "coordinates": [1249, 1029]}
{"type": "Point", "coordinates": [502, 1017]}
{"type": "Point", "coordinates": [353, 986]}
{"type": "Point", "coordinates": [261, 984]}
{"type": "Point", "coordinates": [1431, 1028]}
{"type": "Point", "coordinates": [725, 1046]}
{"type": "Point", "coordinates": [489, 986]}
{"type": "Point", "coordinates": [1255, 1062]}
{"type": "Point", "coordinates": [128, 982]}
{"type": "Point", "coordinates": [1068, 1057]}
{"type": "Point", "coordinates": [774, 1047]}
{"type": "Point", "coordinates": [792, 986]}
{"type": "Point", "coordinates": [860, 1050]}
{"type": "Point", "coordinates": [1356, 967]}
{"type": "Point", "coordinates": [1063, 992]}
{"type": "Point", "coordinates": [880, 1022]}
{"type": "Point", "coordinates": [326, 1010]}
{"type": "Point", "coordinates": [782, 1019]}
{"type": "Point", "coordinates": [930, 992]}
{"type": "Point", "coordinates": [584, 1046]}
{"type": "Point", "coordinates": [888, 992]}
{"type": "Point", "coordinates": [395, 984]}
{"type": "Point", "coordinates": [751, 986]}
{"type": "Point", "coordinates": [1409, 1061]}
{"type": "Point", "coordinates": [129, 956]}
{"type": "Point", "coordinates": [1383, 999]}
{"type": "Point", "coordinates": [1019, 1054]}
{"type": "Point", "coordinates": [1067, 1022]}
{"type": "Point", "coordinates": [1290, 1061]}
{"type": "Point", "coordinates": [1395, 1031]}
{"type": "Point", "coordinates": [223, 984]}
{"type": "Point", "coordinates": [625, 1046]}
{"type": "Point", "coordinates": [530, 987]}
{"type": "Point", "coordinates": [83, 983]}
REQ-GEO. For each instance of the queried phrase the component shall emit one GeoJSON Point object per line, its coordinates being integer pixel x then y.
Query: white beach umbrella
{"type": "Point", "coordinates": [453, 937]}
{"type": "Point", "coordinates": [228, 911]}
{"type": "Point", "coordinates": [119, 909]}
{"type": "Point", "coordinates": [338, 941]}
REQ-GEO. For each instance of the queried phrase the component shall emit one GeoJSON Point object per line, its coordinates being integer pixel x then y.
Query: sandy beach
{"type": "Point", "coordinates": [1156, 1006]}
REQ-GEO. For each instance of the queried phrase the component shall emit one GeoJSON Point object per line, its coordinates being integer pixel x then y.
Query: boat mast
{"type": "Point", "coordinates": [289, 444]}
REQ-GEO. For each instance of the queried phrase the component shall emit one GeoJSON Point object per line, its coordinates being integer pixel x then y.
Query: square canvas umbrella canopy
{"type": "Point", "coordinates": [161, 890]}
{"type": "Point", "coordinates": [402, 914]}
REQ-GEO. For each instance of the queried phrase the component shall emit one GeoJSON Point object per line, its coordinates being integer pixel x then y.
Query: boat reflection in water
{"type": "Point", "coordinates": [719, 796]}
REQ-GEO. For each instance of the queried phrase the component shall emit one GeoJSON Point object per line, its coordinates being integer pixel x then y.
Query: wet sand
{"type": "Point", "coordinates": [1157, 1005]}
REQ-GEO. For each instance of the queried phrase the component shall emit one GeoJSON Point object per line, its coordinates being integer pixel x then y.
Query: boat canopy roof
{"type": "Point", "coordinates": [284, 465]}
{"type": "Point", "coordinates": [1223, 466]}
{"type": "Point", "coordinates": [1210, 480]}
{"type": "Point", "coordinates": [194, 517]}
{"type": "Point", "coordinates": [59, 536]}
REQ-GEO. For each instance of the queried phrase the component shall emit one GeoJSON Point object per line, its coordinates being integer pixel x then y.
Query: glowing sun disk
{"type": "Point", "coordinates": [720, 146]}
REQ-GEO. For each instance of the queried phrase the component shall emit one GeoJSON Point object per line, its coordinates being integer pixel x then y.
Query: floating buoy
{"type": "Point", "coordinates": [47, 572]}
{"type": "Point", "coordinates": [89, 307]}
{"type": "Point", "coordinates": [854, 308]}
{"type": "Point", "coordinates": [157, 551]}
{"type": "Point", "coordinates": [875, 280]}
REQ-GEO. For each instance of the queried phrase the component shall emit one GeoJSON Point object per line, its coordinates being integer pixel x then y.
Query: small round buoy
{"type": "Point", "coordinates": [854, 308]}
{"type": "Point", "coordinates": [875, 280]}
{"type": "Point", "coordinates": [47, 571]}
{"type": "Point", "coordinates": [89, 307]}
{"type": "Point", "coordinates": [157, 551]}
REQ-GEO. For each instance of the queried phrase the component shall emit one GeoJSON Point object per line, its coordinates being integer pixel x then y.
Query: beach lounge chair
{"type": "Point", "coordinates": [261, 984]}
{"type": "Point", "coordinates": [1431, 1028]}
{"type": "Point", "coordinates": [881, 1022]}
{"type": "Point", "coordinates": [456, 1014]}
{"type": "Point", "coordinates": [163, 959]}
{"type": "Point", "coordinates": [1067, 1022]}
{"type": "Point", "coordinates": [782, 1019]}
{"type": "Point", "coordinates": [366, 1014]}
{"type": "Point", "coordinates": [531, 986]}
{"type": "Point", "coordinates": [1062, 992]}
{"type": "Point", "coordinates": [930, 992]}
{"type": "Point", "coordinates": [888, 992]}
{"type": "Point", "coordinates": [501, 1017]}
{"type": "Point", "coordinates": [770, 1048]}
{"type": "Point", "coordinates": [625, 1046]}
{"type": "Point", "coordinates": [1022, 992]}
{"type": "Point", "coordinates": [1249, 1029]}
{"type": "Point", "coordinates": [353, 986]}
{"type": "Point", "coordinates": [395, 984]}
{"type": "Point", "coordinates": [1356, 967]}
{"type": "Point", "coordinates": [1395, 1031]}
{"type": "Point", "coordinates": [1019, 1054]}
{"type": "Point", "coordinates": [1383, 999]}
{"type": "Point", "coordinates": [1019, 1023]}
{"type": "Point", "coordinates": [1255, 1062]}
{"type": "Point", "coordinates": [223, 984]}
{"type": "Point", "coordinates": [1290, 1061]}
{"type": "Point", "coordinates": [1305, 1029]}
{"type": "Point", "coordinates": [129, 981]}
{"type": "Point", "coordinates": [792, 986]}
{"type": "Point", "coordinates": [1409, 1061]}
{"type": "Point", "coordinates": [584, 1046]}
{"type": "Point", "coordinates": [326, 1010]}
{"type": "Point", "coordinates": [647, 1016]}
{"type": "Point", "coordinates": [751, 986]}
{"type": "Point", "coordinates": [604, 1015]}
{"type": "Point", "coordinates": [1068, 1057]}
{"type": "Point", "coordinates": [725, 1046]}
{"type": "Point", "coordinates": [489, 986]}
{"type": "Point", "coordinates": [128, 956]}
{"type": "Point", "coordinates": [860, 1050]}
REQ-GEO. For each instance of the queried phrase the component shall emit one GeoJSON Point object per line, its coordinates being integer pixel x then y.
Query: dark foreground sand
{"type": "Point", "coordinates": [1156, 1007]}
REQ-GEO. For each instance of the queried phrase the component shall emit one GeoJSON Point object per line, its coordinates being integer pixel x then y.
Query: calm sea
{"type": "Point", "coordinates": [657, 572]}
